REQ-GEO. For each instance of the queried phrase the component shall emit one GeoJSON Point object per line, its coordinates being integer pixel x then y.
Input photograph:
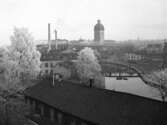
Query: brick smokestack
{"type": "Point", "coordinates": [49, 36]}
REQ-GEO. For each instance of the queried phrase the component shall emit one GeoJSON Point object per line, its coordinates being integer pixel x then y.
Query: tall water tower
{"type": "Point", "coordinates": [99, 32]}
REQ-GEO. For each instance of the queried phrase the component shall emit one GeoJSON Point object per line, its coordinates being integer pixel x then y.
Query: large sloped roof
{"type": "Point", "coordinates": [103, 107]}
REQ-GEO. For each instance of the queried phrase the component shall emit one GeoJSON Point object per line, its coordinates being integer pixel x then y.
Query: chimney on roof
{"type": "Point", "coordinates": [91, 82]}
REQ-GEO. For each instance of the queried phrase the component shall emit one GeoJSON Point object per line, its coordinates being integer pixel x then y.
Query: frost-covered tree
{"type": "Point", "coordinates": [22, 60]}
{"type": "Point", "coordinates": [160, 78]}
{"type": "Point", "coordinates": [20, 64]}
{"type": "Point", "coordinates": [88, 68]}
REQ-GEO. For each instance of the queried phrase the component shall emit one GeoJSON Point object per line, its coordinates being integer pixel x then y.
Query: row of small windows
{"type": "Point", "coordinates": [47, 64]}
{"type": "Point", "coordinates": [53, 115]}
{"type": "Point", "coordinates": [48, 71]}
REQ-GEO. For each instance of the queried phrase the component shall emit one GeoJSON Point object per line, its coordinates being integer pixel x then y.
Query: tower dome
{"type": "Point", "coordinates": [99, 26]}
{"type": "Point", "coordinates": [99, 32]}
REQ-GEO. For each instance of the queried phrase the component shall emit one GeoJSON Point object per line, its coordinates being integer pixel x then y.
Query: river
{"type": "Point", "coordinates": [133, 85]}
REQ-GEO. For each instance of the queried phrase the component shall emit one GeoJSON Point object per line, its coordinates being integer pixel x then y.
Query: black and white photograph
{"type": "Point", "coordinates": [83, 62]}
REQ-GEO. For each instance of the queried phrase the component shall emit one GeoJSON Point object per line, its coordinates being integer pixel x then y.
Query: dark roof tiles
{"type": "Point", "coordinates": [100, 106]}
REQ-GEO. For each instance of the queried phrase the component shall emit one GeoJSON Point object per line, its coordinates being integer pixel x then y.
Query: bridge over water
{"type": "Point", "coordinates": [133, 70]}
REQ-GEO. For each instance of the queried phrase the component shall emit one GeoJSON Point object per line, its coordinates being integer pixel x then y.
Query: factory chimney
{"type": "Point", "coordinates": [48, 32]}
{"type": "Point", "coordinates": [55, 34]}
{"type": "Point", "coordinates": [49, 37]}
{"type": "Point", "coordinates": [56, 39]}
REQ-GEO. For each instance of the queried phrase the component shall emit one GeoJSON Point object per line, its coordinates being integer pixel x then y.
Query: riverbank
{"type": "Point", "coordinates": [133, 85]}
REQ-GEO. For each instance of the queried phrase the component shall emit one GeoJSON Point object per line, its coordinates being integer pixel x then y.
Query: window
{"type": "Point", "coordinates": [46, 71]}
{"type": "Point", "coordinates": [38, 108]}
{"type": "Point", "coordinates": [51, 65]}
{"type": "Point", "coordinates": [46, 111]}
{"type": "Point", "coordinates": [51, 71]}
{"type": "Point", "coordinates": [46, 64]}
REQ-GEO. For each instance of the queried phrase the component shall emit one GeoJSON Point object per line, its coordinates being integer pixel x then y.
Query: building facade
{"type": "Point", "coordinates": [154, 48]}
{"type": "Point", "coordinates": [164, 65]}
{"type": "Point", "coordinates": [44, 114]}
{"type": "Point", "coordinates": [133, 57]}
{"type": "Point", "coordinates": [51, 52]}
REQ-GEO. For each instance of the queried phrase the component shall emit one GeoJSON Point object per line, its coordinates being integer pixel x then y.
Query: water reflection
{"type": "Point", "coordinates": [132, 85]}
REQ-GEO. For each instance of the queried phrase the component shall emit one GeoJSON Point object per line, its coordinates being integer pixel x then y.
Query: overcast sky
{"type": "Point", "coordinates": [123, 19]}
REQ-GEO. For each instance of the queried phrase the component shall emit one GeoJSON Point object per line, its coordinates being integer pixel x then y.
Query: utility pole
{"type": "Point", "coordinates": [53, 80]}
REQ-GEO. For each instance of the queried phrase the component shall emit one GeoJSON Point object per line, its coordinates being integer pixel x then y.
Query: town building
{"type": "Point", "coordinates": [55, 50]}
{"type": "Point", "coordinates": [99, 32]}
{"type": "Point", "coordinates": [133, 57]}
{"type": "Point", "coordinates": [68, 103]}
{"type": "Point", "coordinates": [49, 60]}
{"type": "Point", "coordinates": [154, 48]}
{"type": "Point", "coordinates": [51, 52]}
{"type": "Point", "coordinates": [98, 40]}
{"type": "Point", "coordinates": [164, 65]}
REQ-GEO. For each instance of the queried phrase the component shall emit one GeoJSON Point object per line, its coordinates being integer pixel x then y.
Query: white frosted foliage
{"type": "Point", "coordinates": [160, 78]}
{"type": "Point", "coordinates": [88, 67]}
{"type": "Point", "coordinates": [21, 59]}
